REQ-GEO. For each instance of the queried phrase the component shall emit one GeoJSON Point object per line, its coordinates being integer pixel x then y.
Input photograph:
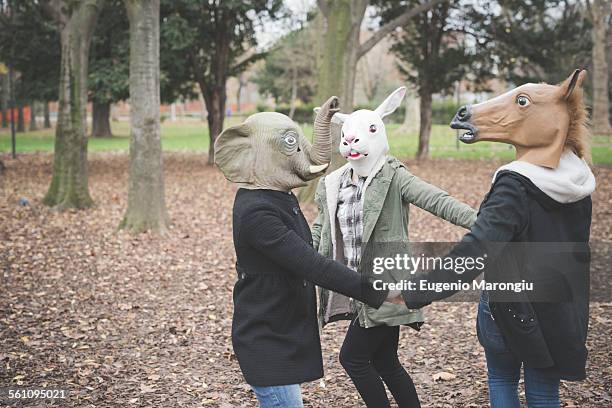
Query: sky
{"type": "Point", "coordinates": [273, 30]}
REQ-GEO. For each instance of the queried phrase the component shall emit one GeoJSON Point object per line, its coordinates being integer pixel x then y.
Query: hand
{"type": "Point", "coordinates": [397, 300]}
{"type": "Point", "coordinates": [395, 297]}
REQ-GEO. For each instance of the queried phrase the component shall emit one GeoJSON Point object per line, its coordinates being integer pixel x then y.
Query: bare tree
{"type": "Point", "coordinates": [370, 78]}
{"type": "Point", "coordinates": [76, 21]}
{"type": "Point", "coordinates": [47, 116]}
{"type": "Point", "coordinates": [33, 125]}
{"type": "Point", "coordinates": [242, 82]}
{"type": "Point", "coordinates": [342, 46]}
{"type": "Point", "coordinates": [413, 112]}
{"type": "Point", "coordinates": [600, 13]}
{"type": "Point", "coordinates": [146, 203]}
{"type": "Point", "coordinates": [20, 118]}
{"type": "Point", "coordinates": [4, 96]}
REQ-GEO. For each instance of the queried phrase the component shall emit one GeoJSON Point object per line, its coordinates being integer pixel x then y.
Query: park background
{"type": "Point", "coordinates": [115, 229]}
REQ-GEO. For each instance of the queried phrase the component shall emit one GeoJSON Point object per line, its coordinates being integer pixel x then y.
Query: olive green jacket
{"type": "Point", "coordinates": [388, 192]}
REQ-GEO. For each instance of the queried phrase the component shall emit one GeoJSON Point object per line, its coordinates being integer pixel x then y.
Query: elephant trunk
{"type": "Point", "coordinates": [321, 146]}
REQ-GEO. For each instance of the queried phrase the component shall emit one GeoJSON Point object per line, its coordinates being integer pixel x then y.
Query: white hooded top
{"type": "Point", "coordinates": [571, 181]}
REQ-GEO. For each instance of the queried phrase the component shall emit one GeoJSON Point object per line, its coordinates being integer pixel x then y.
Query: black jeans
{"type": "Point", "coordinates": [369, 355]}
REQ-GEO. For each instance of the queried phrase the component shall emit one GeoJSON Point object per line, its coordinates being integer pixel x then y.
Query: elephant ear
{"type": "Point", "coordinates": [234, 154]}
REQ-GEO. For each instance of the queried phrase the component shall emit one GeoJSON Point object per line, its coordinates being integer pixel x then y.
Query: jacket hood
{"type": "Point", "coordinates": [571, 181]}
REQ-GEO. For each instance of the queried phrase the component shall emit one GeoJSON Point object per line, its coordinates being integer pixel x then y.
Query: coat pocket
{"type": "Point", "coordinates": [489, 335]}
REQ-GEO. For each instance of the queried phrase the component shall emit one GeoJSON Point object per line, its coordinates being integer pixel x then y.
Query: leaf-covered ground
{"type": "Point", "coordinates": [123, 320]}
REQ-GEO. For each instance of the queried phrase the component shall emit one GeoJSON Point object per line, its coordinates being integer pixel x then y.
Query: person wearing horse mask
{"type": "Point", "coordinates": [533, 226]}
{"type": "Point", "coordinates": [274, 330]}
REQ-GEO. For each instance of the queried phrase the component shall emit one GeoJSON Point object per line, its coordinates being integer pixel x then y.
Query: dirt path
{"type": "Point", "coordinates": [145, 321]}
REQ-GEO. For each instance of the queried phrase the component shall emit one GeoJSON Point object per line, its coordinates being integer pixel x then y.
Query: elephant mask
{"type": "Point", "coordinates": [269, 150]}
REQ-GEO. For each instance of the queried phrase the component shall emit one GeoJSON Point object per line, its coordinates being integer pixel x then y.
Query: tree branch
{"type": "Point", "coordinates": [245, 60]}
{"type": "Point", "coordinates": [400, 20]}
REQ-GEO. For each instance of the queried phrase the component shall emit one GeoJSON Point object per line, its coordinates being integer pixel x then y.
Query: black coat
{"type": "Point", "coordinates": [274, 331]}
{"type": "Point", "coordinates": [547, 327]}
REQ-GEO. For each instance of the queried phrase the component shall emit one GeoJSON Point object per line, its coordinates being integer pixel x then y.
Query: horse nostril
{"type": "Point", "coordinates": [464, 113]}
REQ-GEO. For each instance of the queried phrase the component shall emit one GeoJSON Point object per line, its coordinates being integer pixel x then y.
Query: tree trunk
{"type": "Point", "coordinates": [20, 119]}
{"type": "Point", "coordinates": [33, 125]}
{"type": "Point", "coordinates": [100, 126]}
{"type": "Point", "coordinates": [294, 86]}
{"type": "Point", "coordinates": [203, 111]}
{"type": "Point", "coordinates": [4, 100]}
{"type": "Point", "coordinates": [352, 55]}
{"type": "Point", "coordinates": [70, 183]}
{"type": "Point", "coordinates": [342, 49]}
{"type": "Point", "coordinates": [241, 83]}
{"type": "Point", "coordinates": [146, 203]}
{"type": "Point", "coordinates": [215, 98]}
{"type": "Point", "coordinates": [412, 113]}
{"type": "Point", "coordinates": [425, 125]}
{"type": "Point", "coordinates": [47, 123]}
{"type": "Point", "coordinates": [601, 101]}
{"type": "Point", "coordinates": [332, 70]}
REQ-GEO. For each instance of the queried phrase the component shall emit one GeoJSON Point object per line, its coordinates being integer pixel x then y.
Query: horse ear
{"type": "Point", "coordinates": [234, 154]}
{"type": "Point", "coordinates": [573, 81]}
{"type": "Point", "coordinates": [392, 102]}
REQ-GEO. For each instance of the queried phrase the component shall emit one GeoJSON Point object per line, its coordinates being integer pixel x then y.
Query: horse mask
{"type": "Point", "coordinates": [363, 141]}
{"type": "Point", "coordinates": [539, 120]}
{"type": "Point", "coordinates": [269, 150]}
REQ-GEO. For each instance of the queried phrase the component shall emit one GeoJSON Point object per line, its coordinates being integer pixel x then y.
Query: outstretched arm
{"type": "Point", "coordinates": [265, 231]}
{"type": "Point", "coordinates": [434, 200]}
{"type": "Point", "coordinates": [502, 217]}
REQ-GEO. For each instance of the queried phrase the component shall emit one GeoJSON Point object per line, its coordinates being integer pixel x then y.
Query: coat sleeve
{"type": "Point", "coordinates": [502, 217]}
{"type": "Point", "coordinates": [434, 200]}
{"type": "Point", "coordinates": [264, 230]}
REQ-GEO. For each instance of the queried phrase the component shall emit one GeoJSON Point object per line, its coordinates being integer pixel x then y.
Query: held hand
{"type": "Point", "coordinates": [395, 297]}
{"type": "Point", "coordinates": [398, 300]}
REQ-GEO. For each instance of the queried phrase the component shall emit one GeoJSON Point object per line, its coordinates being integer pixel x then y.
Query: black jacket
{"type": "Point", "coordinates": [274, 331]}
{"type": "Point", "coordinates": [528, 235]}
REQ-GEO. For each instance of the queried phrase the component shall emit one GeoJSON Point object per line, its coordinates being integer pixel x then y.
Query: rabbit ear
{"type": "Point", "coordinates": [392, 102]}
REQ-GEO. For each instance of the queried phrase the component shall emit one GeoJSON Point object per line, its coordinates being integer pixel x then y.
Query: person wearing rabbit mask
{"type": "Point", "coordinates": [366, 202]}
{"type": "Point", "coordinates": [274, 328]}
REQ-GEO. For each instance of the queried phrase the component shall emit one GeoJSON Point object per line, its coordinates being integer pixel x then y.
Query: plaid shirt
{"type": "Point", "coordinates": [350, 217]}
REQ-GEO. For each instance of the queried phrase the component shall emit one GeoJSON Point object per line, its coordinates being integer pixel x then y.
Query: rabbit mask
{"type": "Point", "coordinates": [363, 141]}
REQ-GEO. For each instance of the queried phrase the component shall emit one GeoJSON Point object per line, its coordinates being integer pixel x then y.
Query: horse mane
{"type": "Point", "coordinates": [578, 134]}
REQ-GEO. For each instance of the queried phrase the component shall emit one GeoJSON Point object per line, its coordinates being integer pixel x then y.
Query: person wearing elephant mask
{"type": "Point", "coordinates": [274, 330]}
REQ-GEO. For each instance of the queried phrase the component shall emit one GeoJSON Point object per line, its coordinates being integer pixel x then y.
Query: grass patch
{"type": "Point", "coordinates": [193, 136]}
